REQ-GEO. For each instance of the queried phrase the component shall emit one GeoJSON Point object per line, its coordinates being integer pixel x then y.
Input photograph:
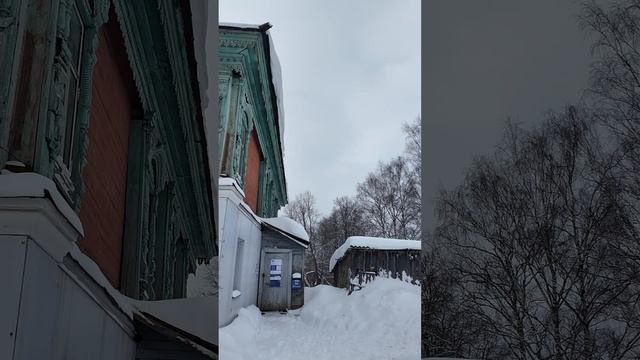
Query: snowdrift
{"type": "Point", "coordinates": [381, 321]}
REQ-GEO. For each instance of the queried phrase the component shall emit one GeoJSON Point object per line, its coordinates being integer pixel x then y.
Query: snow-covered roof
{"type": "Point", "coordinates": [33, 185]}
{"type": "Point", "coordinates": [372, 243]}
{"type": "Point", "coordinates": [197, 316]}
{"type": "Point", "coordinates": [229, 181]}
{"type": "Point", "coordinates": [239, 25]}
{"type": "Point", "coordinates": [276, 79]}
{"type": "Point", "coordinates": [289, 226]}
{"type": "Point", "coordinates": [193, 316]}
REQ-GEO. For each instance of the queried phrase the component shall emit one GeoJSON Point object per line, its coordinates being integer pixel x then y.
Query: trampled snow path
{"type": "Point", "coordinates": [382, 321]}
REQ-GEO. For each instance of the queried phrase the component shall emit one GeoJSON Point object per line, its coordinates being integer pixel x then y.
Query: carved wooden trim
{"type": "Point", "coordinates": [244, 51]}
{"type": "Point", "coordinates": [9, 13]}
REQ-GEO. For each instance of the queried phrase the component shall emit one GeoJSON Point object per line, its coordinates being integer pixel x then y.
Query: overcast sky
{"type": "Point", "coordinates": [351, 78]}
{"type": "Point", "coordinates": [485, 61]}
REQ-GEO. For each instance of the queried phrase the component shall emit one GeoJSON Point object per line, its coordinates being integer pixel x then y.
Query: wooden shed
{"type": "Point", "coordinates": [360, 259]}
{"type": "Point", "coordinates": [281, 285]}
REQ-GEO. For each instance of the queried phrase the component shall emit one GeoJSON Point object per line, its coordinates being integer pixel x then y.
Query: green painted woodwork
{"type": "Point", "coordinates": [11, 12]}
{"type": "Point", "coordinates": [169, 224]}
{"type": "Point", "coordinates": [172, 210]}
{"type": "Point", "coordinates": [54, 119]}
{"type": "Point", "coordinates": [245, 98]}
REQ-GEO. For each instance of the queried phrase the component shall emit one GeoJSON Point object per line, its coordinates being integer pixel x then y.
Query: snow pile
{"type": "Point", "coordinates": [289, 226]}
{"type": "Point", "coordinates": [237, 340]}
{"type": "Point", "coordinates": [372, 243]}
{"type": "Point", "coordinates": [381, 321]}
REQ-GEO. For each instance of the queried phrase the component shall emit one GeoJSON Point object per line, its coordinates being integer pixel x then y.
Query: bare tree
{"type": "Point", "coordinates": [390, 197]}
{"type": "Point", "coordinates": [542, 240]}
{"type": "Point", "coordinates": [615, 92]}
{"type": "Point", "coordinates": [346, 219]}
{"type": "Point", "coordinates": [532, 232]}
{"type": "Point", "coordinates": [349, 217]}
{"type": "Point", "coordinates": [303, 210]}
{"type": "Point", "coordinates": [413, 145]}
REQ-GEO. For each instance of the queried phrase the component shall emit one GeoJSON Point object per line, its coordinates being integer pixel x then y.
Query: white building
{"type": "Point", "coordinates": [79, 263]}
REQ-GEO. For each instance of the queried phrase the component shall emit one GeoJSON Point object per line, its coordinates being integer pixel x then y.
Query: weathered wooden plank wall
{"type": "Point", "coordinates": [272, 239]}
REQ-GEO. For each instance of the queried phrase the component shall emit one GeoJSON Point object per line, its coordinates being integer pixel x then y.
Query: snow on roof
{"type": "Point", "coordinates": [194, 316]}
{"type": "Point", "coordinates": [197, 316]}
{"type": "Point", "coordinates": [229, 181]}
{"type": "Point", "coordinates": [289, 226]}
{"type": "Point", "coordinates": [276, 79]}
{"type": "Point", "coordinates": [191, 315]}
{"type": "Point", "coordinates": [240, 25]}
{"type": "Point", "coordinates": [92, 269]}
{"type": "Point", "coordinates": [282, 223]}
{"type": "Point", "coordinates": [29, 184]}
{"type": "Point", "coordinates": [372, 243]}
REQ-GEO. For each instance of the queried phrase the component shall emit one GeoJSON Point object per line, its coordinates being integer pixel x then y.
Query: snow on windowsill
{"type": "Point", "coordinates": [372, 243]}
{"type": "Point", "coordinates": [236, 293]}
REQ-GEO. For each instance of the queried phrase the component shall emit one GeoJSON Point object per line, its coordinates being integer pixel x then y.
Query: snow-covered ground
{"type": "Point", "coordinates": [381, 321]}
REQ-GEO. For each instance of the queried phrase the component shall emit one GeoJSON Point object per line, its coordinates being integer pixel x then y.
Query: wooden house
{"type": "Point", "coordinates": [102, 113]}
{"type": "Point", "coordinates": [360, 259]}
{"type": "Point", "coordinates": [252, 186]}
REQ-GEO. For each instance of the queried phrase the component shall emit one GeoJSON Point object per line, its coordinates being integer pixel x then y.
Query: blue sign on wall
{"type": "Point", "coordinates": [296, 283]}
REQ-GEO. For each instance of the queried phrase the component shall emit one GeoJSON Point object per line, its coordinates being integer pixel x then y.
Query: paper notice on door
{"type": "Point", "coordinates": [274, 280]}
{"type": "Point", "coordinates": [275, 273]}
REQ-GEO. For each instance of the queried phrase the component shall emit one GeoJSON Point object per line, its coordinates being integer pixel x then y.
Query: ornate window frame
{"type": "Point", "coordinates": [58, 157]}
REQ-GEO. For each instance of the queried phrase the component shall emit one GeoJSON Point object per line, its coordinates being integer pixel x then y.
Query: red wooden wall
{"type": "Point", "coordinates": [252, 178]}
{"type": "Point", "coordinates": [103, 206]}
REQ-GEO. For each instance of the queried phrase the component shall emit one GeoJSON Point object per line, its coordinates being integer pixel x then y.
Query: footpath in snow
{"type": "Point", "coordinates": [381, 321]}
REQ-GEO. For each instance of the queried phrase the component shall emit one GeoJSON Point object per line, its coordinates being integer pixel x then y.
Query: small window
{"type": "Point", "coordinates": [237, 275]}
